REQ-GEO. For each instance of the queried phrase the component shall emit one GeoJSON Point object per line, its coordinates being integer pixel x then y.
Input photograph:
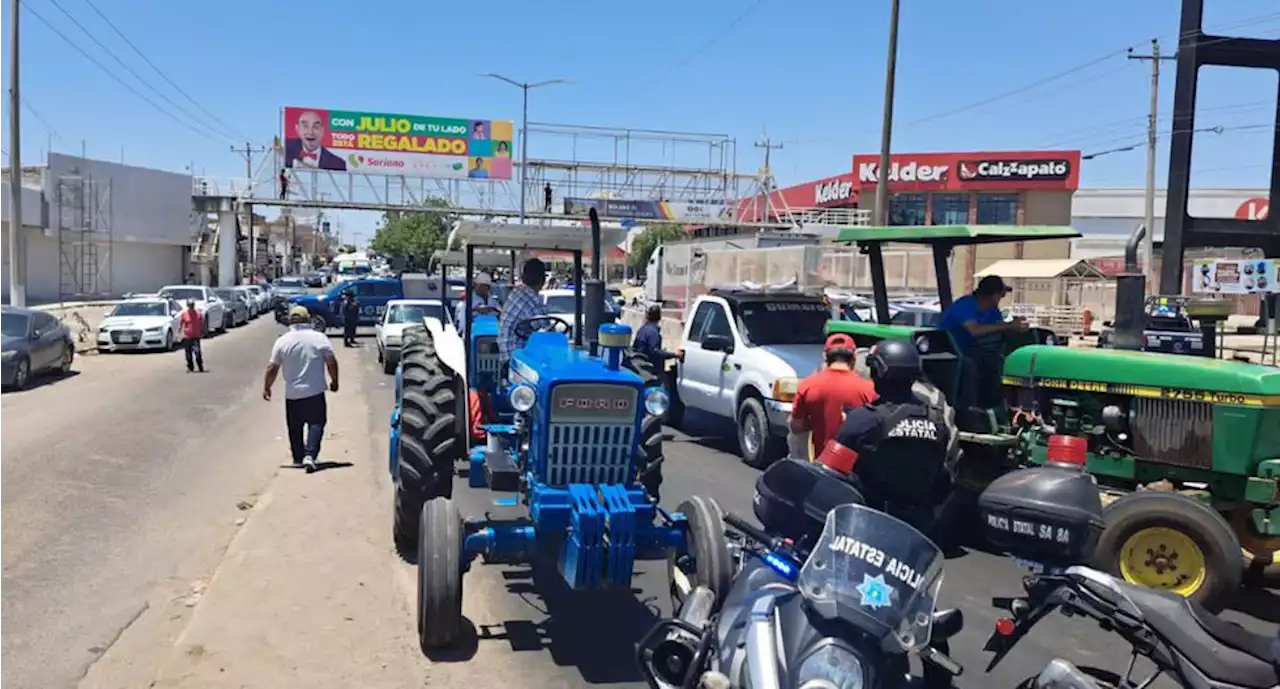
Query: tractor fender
{"type": "Point", "coordinates": [449, 347]}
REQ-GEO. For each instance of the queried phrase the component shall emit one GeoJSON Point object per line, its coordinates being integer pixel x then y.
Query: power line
{"type": "Point", "coordinates": [40, 118]}
{"type": "Point", "coordinates": [131, 71]}
{"type": "Point", "coordinates": [1218, 129]}
{"type": "Point", "coordinates": [116, 77]}
{"type": "Point", "coordinates": [159, 71]}
{"type": "Point", "coordinates": [1135, 121]}
{"type": "Point", "coordinates": [705, 46]}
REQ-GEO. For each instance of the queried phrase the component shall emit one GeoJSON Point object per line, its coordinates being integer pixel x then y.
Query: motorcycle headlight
{"type": "Point", "coordinates": [922, 344]}
{"type": "Point", "coordinates": [656, 401]}
{"type": "Point", "coordinates": [831, 667]}
{"type": "Point", "coordinates": [523, 397]}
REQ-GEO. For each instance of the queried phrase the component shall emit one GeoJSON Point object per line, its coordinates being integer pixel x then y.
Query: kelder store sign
{"type": "Point", "coordinates": [1005, 171]}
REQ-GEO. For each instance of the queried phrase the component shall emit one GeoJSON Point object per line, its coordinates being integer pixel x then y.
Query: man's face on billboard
{"type": "Point", "coordinates": [310, 130]}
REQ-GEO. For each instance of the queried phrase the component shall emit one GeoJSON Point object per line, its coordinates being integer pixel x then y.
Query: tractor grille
{"type": "Point", "coordinates": [592, 453]}
{"type": "Point", "coordinates": [1173, 432]}
{"type": "Point", "coordinates": [486, 363]}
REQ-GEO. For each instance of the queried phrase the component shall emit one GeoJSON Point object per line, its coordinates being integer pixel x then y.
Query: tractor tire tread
{"type": "Point", "coordinates": [440, 537]}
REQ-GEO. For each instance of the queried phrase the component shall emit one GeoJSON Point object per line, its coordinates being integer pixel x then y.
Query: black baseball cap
{"type": "Point", "coordinates": [991, 285]}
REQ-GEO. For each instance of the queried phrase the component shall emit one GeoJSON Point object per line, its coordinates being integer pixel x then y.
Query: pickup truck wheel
{"type": "Point", "coordinates": [758, 448]}
{"type": "Point", "coordinates": [318, 323]}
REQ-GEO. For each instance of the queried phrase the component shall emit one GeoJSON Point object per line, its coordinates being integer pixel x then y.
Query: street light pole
{"type": "Point", "coordinates": [886, 127]}
{"type": "Point", "coordinates": [524, 86]}
{"type": "Point", "coordinates": [17, 235]}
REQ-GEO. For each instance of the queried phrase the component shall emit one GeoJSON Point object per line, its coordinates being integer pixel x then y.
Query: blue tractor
{"type": "Point", "coordinates": [574, 450]}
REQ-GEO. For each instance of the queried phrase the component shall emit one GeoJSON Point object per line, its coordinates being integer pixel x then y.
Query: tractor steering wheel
{"type": "Point", "coordinates": [524, 329]}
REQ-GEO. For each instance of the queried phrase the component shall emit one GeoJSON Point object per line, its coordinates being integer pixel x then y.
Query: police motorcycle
{"type": "Point", "coordinates": [1050, 518]}
{"type": "Point", "coordinates": [830, 594]}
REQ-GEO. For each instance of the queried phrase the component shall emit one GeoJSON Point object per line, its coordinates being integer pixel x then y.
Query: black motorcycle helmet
{"type": "Point", "coordinates": [894, 363]}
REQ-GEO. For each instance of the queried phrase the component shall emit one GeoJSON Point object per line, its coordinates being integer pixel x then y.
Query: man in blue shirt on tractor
{"type": "Point", "coordinates": [977, 326]}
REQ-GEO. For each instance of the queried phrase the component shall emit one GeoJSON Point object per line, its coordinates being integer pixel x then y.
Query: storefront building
{"type": "Point", "coordinates": [1106, 217]}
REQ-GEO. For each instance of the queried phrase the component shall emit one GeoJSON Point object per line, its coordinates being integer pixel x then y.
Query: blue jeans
{"type": "Point", "coordinates": [305, 418]}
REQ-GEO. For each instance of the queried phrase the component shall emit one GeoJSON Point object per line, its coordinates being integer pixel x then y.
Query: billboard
{"type": "Point", "coordinates": [991, 171]}
{"type": "Point", "coordinates": [1235, 276]}
{"type": "Point", "coordinates": [669, 211]}
{"type": "Point", "coordinates": [387, 144]}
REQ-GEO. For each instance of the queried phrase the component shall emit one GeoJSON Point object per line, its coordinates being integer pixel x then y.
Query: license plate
{"type": "Point", "coordinates": [128, 338]}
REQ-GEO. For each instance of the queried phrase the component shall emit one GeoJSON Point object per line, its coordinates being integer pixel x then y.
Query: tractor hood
{"type": "Point", "coordinates": [875, 331]}
{"type": "Point", "coordinates": [1174, 372]}
{"type": "Point", "coordinates": [549, 358]}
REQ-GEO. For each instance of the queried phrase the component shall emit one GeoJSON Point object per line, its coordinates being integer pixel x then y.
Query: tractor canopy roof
{"type": "Point", "coordinates": [547, 358]}
{"type": "Point", "coordinates": [1169, 375]}
{"type": "Point", "coordinates": [955, 234]}
{"type": "Point", "coordinates": [526, 237]}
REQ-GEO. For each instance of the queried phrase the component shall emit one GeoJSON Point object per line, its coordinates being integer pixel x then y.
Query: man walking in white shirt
{"type": "Point", "coordinates": [303, 355]}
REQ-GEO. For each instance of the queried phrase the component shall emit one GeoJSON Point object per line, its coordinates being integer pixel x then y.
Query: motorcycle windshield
{"type": "Point", "coordinates": [876, 572]}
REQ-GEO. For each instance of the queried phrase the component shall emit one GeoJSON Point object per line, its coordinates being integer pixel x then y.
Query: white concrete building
{"type": "Point", "coordinates": [101, 229]}
{"type": "Point", "coordinates": [1106, 217]}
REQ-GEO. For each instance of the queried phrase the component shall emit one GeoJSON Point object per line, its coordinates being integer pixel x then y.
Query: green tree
{"type": "Point", "coordinates": [413, 235]}
{"type": "Point", "coordinates": [648, 240]}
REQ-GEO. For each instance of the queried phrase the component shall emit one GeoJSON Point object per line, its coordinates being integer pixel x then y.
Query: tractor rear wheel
{"type": "Point", "coordinates": [439, 575]}
{"type": "Point", "coordinates": [429, 447]}
{"type": "Point", "coordinates": [651, 456]}
{"type": "Point", "coordinates": [1173, 543]}
{"type": "Point", "coordinates": [712, 563]}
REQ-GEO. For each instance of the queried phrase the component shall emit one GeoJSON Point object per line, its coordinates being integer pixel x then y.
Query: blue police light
{"type": "Point", "coordinates": [522, 397]}
{"type": "Point", "coordinates": [656, 401]}
{"type": "Point", "coordinates": [780, 565]}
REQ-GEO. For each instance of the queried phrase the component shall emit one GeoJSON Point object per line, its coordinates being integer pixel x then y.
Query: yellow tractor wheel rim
{"type": "Point", "coordinates": [1165, 559]}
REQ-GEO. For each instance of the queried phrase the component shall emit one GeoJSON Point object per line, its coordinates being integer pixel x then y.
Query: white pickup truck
{"type": "Point", "coordinates": [744, 354]}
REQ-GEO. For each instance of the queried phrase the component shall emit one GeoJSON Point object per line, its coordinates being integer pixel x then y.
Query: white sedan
{"type": "Point", "coordinates": [214, 310]}
{"type": "Point", "coordinates": [402, 314]}
{"type": "Point", "coordinates": [141, 323]}
{"type": "Point", "coordinates": [560, 303]}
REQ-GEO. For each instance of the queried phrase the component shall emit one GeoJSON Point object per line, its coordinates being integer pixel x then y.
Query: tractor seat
{"type": "Point", "coordinates": [1223, 650]}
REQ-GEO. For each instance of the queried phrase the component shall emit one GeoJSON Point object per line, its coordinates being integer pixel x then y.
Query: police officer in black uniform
{"type": "Point", "coordinates": [898, 445]}
{"type": "Point", "coordinates": [350, 318]}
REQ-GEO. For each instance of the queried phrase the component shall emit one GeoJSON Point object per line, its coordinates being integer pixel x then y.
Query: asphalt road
{"type": "Point", "coordinates": [531, 632]}
{"type": "Point", "coordinates": [121, 486]}
{"type": "Point", "coordinates": [116, 482]}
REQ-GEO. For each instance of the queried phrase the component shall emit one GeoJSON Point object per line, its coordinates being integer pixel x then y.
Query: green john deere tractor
{"type": "Point", "coordinates": [1186, 449]}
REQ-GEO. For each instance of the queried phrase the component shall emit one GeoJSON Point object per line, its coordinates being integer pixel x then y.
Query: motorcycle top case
{"type": "Point", "coordinates": [793, 498]}
{"type": "Point", "coordinates": [1047, 515]}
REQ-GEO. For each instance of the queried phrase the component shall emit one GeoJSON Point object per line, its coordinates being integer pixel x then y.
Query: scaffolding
{"type": "Point", "coordinates": [83, 214]}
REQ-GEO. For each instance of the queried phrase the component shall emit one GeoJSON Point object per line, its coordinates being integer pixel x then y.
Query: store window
{"type": "Point", "coordinates": [907, 209]}
{"type": "Point", "coordinates": [997, 209]}
{"type": "Point", "coordinates": [950, 209]}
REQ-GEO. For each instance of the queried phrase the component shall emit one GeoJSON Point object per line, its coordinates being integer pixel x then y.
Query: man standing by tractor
{"type": "Point", "coordinates": [648, 340]}
{"type": "Point", "coordinates": [972, 320]}
{"type": "Point", "coordinates": [482, 301]}
{"type": "Point", "coordinates": [523, 303]}
{"type": "Point", "coordinates": [823, 398]}
{"type": "Point", "coordinates": [896, 448]}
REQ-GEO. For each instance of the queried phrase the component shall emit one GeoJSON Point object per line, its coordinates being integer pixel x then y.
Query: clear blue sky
{"type": "Point", "coordinates": [806, 73]}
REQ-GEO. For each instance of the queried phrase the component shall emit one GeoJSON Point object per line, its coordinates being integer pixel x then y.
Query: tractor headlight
{"type": "Point", "coordinates": [656, 401]}
{"type": "Point", "coordinates": [522, 398]}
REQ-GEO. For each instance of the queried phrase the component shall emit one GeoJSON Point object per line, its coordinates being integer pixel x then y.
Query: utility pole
{"type": "Point", "coordinates": [1149, 214]}
{"type": "Point", "coordinates": [17, 247]}
{"type": "Point", "coordinates": [524, 86]}
{"type": "Point", "coordinates": [247, 152]}
{"type": "Point", "coordinates": [768, 147]}
{"type": "Point", "coordinates": [886, 126]}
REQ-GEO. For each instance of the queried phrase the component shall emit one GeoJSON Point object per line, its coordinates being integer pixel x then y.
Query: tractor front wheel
{"type": "Point", "coordinates": [428, 444]}
{"type": "Point", "coordinates": [651, 456]}
{"type": "Point", "coordinates": [440, 539]}
{"type": "Point", "coordinates": [1173, 543]}
{"type": "Point", "coordinates": [707, 548]}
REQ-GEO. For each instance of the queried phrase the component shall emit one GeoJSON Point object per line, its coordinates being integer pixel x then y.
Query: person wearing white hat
{"type": "Point", "coordinates": [482, 300]}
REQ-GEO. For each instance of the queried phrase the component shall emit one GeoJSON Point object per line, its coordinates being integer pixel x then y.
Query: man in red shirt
{"type": "Point", "coordinates": [822, 398]}
{"type": "Point", "coordinates": [192, 323]}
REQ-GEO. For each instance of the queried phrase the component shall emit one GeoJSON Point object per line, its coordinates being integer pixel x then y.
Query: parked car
{"type": "Point", "coordinates": [237, 306]}
{"type": "Point", "coordinates": [314, 279]}
{"type": "Point", "coordinates": [261, 299]}
{"type": "Point", "coordinates": [208, 303]}
{"type": "Point", "coordinates": [143, 323]}
{"type": "Point", "coordinates": [285, 288]}
{"type": "Point", "coordinates": [34, 342]}
{"type": "Point", "coordinates": [560, 304]}
{"type": "Point", "coordinates": [401, 314]}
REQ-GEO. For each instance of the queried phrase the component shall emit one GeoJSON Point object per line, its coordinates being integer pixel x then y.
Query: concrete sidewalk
{"type": "Point", "coordinates": [307, 593]}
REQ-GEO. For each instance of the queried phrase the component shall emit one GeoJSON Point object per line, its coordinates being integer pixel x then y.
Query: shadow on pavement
{"type": "Point", "coordinates": [325, 465]}
{"type": "Point", "coordinates": [38, 381]}
{"type": "Point", "coordinates": [571, 624]}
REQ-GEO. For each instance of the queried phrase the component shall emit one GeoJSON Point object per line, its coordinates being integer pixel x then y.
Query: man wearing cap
{"type": "Point", "coordinates": [822, 398]}
{"type": "Point", "coordinates": [192, 322]}
{"type": "Point", "coordinates": [482, 301]}
{"type": "Point", "coordinates": [303, 355]}
{"type": "Point", "coordinates": [974, 316]}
